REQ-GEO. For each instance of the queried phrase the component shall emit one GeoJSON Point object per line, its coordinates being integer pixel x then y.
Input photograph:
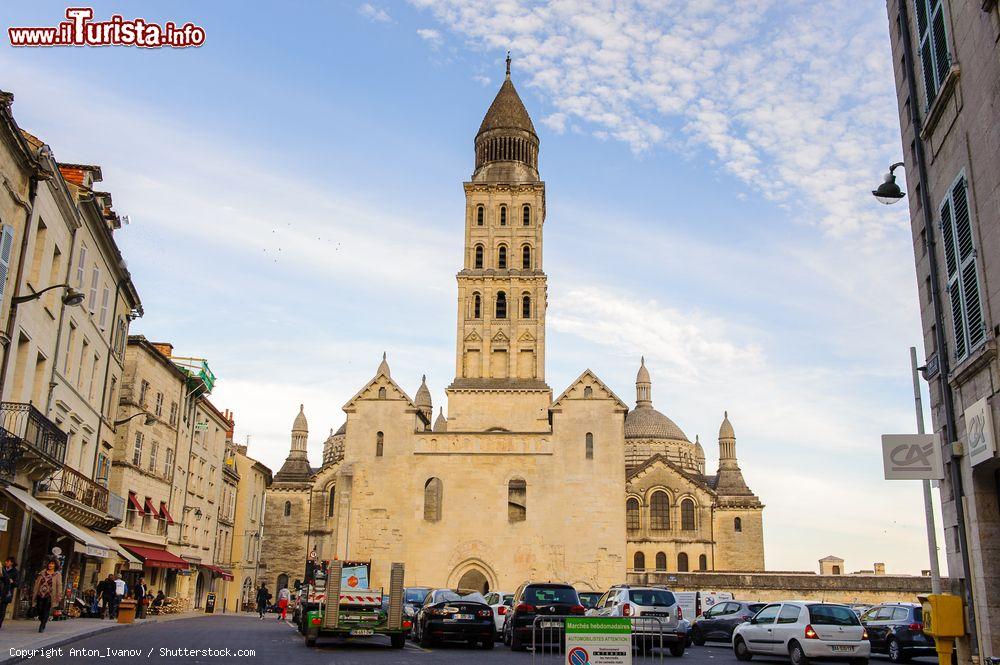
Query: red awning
{"type": "Point", "coordinates": [134, 500]}
{"type": "Point", "coordinates": [152, 509]}
{"type": "Point", "coordinates": [165, 514]}
{"type": "Point", "coordinates": [155, 558]}
{"type": "Point", "coordinates": [220, 572]}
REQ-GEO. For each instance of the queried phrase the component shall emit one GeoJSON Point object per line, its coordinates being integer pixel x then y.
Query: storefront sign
{"type": "Point", "coordinates": [911, 457]}
{"type": "Point", "coordinates": [598, 641]}
{"type": "Point", "coordinates": [979, 432]}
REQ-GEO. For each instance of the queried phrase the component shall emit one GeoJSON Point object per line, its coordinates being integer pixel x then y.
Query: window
{"type": "Point", "coordinates": [836, 570]}
{"type": "Point", "coordinates": [105, 297]}
{"type": "Point", "coordinates": [103, 467]}
{"type": "Point", "coordinates": [152, 455]}
{"type": "Point", "coordinates": [479, 215]}
{"type": "Point", "coordinates": [661, 561]}
{"type": "Point", "coordinates": [768, 614]}
{"type": "Point", "coordinates": [503, 215]}
{"type": "Point", "coordinates": [737, 524]}
{"type": "Point", "coordinates": [502, 257]}
{"type": "Point", "coordinates": [173, 414]}
{"type": "Point", "coordinates": [69, 347]}
{"type": "Point", "coordinates": [639, 561]}
{"type": "Point", "coordinates": [6, 245]}
{"type": "Point", "coordinates": [331, 501]}
{"type": "Point", "coordinates": [433, 490]}
{"type": "Point", "coordinates": [832, 615]}
{"type": "Point", "coordinates": [95, 278]}
{"type": "Point", "coordinates": [933, 45]}
{"type": "Point", "coordinates": [137, 450]}
{"type": "Point", "coordinates": [682, 562]}
{"type": "Point", "coordinates": [588, 392]}
{"type": "Point", "coordinates": [478, 264]}
{"type": "Point", "coordinates": [526, 214]}
{"type": "Point", "coordinates": [963, 280]}
{"type": "Point", "coordinates": [788, 614]}
{"type": "Point", "coordinates": [168, 463]}
{"type": "Point", "coordinates": [501, 305]}
{"type": "Point", "coordinates": [81, 266]}
{"type": "Point", "coordinates": [158, 409]}
{"type": "Point", "coordinates": [111, 395]}
{"type": "Point", "coordinates": [288, 508]}
{"type": "Point", "coordinates": [659, 512]}
{"type": "Point", "coordinates": [143, 389]}
{"type": "Point", "coordinates": [379, 441]}
{"type": "Point", "coordinates": [526, 257]}
{"type": "Point", "coordinates": [702, 562]}
{"type": "Point", "coordinates": [477, 306]}
{"type": "Point", "coordinates": [525, 306]}
{"type": "Point", "coordinates": [590, 445]}
{"type": "Point", "coordinates": [687, 515]}
{"type": "Point", "coordinates": [517, 500]}
{"type": "Point", "coordinates": [381, 393]}
{"type": "Point", "coordinates": [632, 514]}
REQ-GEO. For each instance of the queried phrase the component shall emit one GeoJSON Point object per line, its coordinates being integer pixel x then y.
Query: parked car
{"type": "Point", "coordinates": [647, 602]}
{"type": "Point", "coordinates": [552, 601]}
{"type": "Point", "coordinates": [454, 615]}
{"type": "Point", "coordinates": [803, 630]}
{"type": "Point", "coordinates": [500, 603]}
{"type": "Point", "coordinates": [589, 598]}
{"type": "Point", "coordinates": [897, 629]}
{"type": "Point", "coordinates": [719, 621]}
{"type": "Point", "coordinates": [413, 598]}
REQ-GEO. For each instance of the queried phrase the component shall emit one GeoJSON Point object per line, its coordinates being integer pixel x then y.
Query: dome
{"type": "Point", "coordinates": [643, 375]}
{"type": "Point", "coordinates": [300, 424]}
{"type": "Point", "coordinates": [726, 429]}
{"type": "Point", "coordinates": [645, 422]}
{"type": "Point", "coordinates": [423, 396]}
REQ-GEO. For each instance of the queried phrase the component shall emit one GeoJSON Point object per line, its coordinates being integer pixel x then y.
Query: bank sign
{"type": "Point", "coordinates": [598, 641]}
{"type": "Point", "coordinates": [911, 457]}
{"type": "Point", "coordinates": [979, 432]}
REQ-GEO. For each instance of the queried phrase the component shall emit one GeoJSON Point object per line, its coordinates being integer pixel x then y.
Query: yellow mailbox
{"type": "Point", "coordinates": [943, 615]}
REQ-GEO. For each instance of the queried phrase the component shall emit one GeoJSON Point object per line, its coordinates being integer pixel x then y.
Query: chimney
{"type": "Point", "coordinates": [166, 348]}
{"type": "Point", "coordinates": [232, 425]}
{"type": "Point", "coordinates": [879, 568]}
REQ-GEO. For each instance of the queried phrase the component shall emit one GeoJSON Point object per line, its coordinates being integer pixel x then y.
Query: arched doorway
{"type": "Point", "coordinates": [199, 588]}
{"type": "Point", "coordinates": [282, 582]}
{"type": "Point", "coordinates": [473, 579]}
{"type": "Point", "coordinates": [248, 594]}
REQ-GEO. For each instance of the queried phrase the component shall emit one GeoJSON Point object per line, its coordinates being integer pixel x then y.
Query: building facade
{"type": "Point", "coordinates": [498, 492]}
{"type": "Point", "coordinates": [947, 71]}
{"type": "Point", "coordinates": [248, 528]}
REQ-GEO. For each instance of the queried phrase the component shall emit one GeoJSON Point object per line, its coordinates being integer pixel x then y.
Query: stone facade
{"type": "Point", "coordinates": [248, 525]}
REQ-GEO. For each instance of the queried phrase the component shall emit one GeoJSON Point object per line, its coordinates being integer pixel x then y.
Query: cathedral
{"type": "Point", "coordinates": [512, 485]}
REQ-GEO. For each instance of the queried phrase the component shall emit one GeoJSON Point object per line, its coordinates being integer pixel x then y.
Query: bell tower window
{"type": "Point", "coordinates": [503, 215]}
{"type": "Point", "coordinates": [502, 257]}
{"type": "Point", "coordinates": [477, 306]}
{"type": "Point", "coordinates": [526, 257]}
{"type": "Point", "coordinates": [525, 306]}
{"type": "Point", "coordinates": [526, 214]}
{"type": "Point", "coordinates": [478, 261]}
{"type": "Point", "coordinates": [480, 213]}
{"type": "Point", "coordinates": [502, 305]}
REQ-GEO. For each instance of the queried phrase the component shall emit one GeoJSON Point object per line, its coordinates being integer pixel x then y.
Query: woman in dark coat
{"type": "Point", "coordinates": [9, 577]}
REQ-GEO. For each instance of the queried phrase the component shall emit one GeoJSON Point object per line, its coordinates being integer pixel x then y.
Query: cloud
{"type": "Point", "coordinates": [431, 36]}
{"type": "Point", "coordinates": [482, 80]}
{"type": "Point", "coordinates": [374, 14]}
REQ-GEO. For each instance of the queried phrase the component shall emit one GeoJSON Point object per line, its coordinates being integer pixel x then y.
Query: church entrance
{"type": "Point", "coordinates": [474, 580]}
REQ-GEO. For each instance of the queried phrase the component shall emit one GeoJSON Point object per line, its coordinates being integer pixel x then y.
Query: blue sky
{"type": "Point", "coordinates": [295, 193]}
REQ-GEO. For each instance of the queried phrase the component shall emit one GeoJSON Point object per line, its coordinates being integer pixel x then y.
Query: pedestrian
{"type": "Point", "coordinates": [106, 590]}
{"type": "Point", "coordinates": [8, 584]}
{"type": "Point", "coordinates": [140, 598]}
{"type": "Point", "coordinates": [283, 597]}
{"type": "Point", "coordinates": [262, 597]}
{"type": "Point", "coordinates": [120, 590]}
{"type": "Point", "coordinates": [47, 589]}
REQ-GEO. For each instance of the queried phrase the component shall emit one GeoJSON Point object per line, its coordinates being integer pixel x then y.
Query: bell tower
{"type": "Point", "coordinates": [502, 287]}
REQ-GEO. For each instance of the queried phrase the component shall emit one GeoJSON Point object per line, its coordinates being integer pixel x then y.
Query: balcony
{"type": "Point", "coordinates": [77, 498]}
{"type": "Point", "coordinates": [29, 442]}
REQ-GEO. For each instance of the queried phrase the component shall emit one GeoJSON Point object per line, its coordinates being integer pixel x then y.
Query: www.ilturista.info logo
{"type": "Point", "coordinates": [81, 30]}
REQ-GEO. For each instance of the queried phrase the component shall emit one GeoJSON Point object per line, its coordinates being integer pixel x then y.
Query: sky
{"type": "Point", "coordinates": [294, 189]}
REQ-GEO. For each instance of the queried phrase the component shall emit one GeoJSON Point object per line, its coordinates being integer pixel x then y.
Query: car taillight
{"type": "Point", "coordinates": [578, 609]}
{"type": "Point", "coordinates": [483, 614]}
{"type": "Point", "coordinates": [811, 634]}
{"type": "Point", "coordinates": [407, 624]}
{"type": "Point", "coordinates": [680, 613]}
{"type": "Point", "coordinates": [524, 608]}
{"type": "Point", "coordinates": [502, 610]}
{"type": "Point", "coordinates": [626, 610]}
{"type": "Point", "coordinates": [919, 627]}
{"type": "Point", "coordinates": [864, 633]}
{"type": "Point", "coordinates": [315, 621]}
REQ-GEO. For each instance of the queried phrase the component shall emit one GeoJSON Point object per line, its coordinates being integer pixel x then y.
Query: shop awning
{"type": "Point", "coordinates": [165, 514]}
{"type": "Point", "coordinates": [134, 500]}
{"type": "Point", "coordinates": [220, 572]}
{"type": "Point", "coordinates": [131, 562]}
{"type": "Point", "coordinates": [93, 546]}
{"type": "Point", "coordinates": [155, 558]}
{"type": "Point", "coordinates": [151, 509]}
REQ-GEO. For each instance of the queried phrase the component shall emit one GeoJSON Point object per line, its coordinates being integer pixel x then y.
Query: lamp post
{"type": "Point", "coordinates": [150, 418]}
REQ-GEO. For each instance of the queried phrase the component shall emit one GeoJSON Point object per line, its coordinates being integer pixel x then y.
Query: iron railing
{"type": "Point", "coordinates": [74, 485]}
{"type": "Point", "coordinates": [116, 506]}
{"type": "Point", "coordinates": [36, 432]}
{"type": "Point", "coordinates": [10, 452]}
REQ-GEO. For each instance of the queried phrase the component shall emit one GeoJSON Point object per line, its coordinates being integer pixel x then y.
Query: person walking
{"type": "Point", "coordinates": [8, 584]}
{"type": "Point", "coordinates": [140, 598]}
{"type": "Point", "coordinates": [262, 597]}
{"type": "Point", "coordinates": [106, 590]}
{"type": "Point", "coordinates": [120, 590]}
{"type": "Point", "coordinates": [47, 590]}
{"type": "Point", "coordinates": [284, 595]}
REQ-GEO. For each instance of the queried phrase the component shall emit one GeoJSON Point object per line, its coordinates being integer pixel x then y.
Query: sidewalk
{"type": "Point", "coordinates": [19, 635]}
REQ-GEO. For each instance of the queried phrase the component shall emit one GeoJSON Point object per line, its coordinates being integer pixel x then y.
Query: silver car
{"type": "Point", "coordinates": [656, 617]}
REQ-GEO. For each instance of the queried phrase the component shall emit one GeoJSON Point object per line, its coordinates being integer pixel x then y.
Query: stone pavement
{"type": "Point", "coordinates": [21, 635]}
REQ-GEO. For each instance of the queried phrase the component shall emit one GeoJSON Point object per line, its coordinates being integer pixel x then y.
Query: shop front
{"type": "Point", "coordinates": [160, 569]}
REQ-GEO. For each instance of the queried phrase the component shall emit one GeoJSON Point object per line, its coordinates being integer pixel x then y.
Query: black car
{"type": "Point", "coordinates": [542, 601]}
{"type": "Point", "coordinates": [719, 621]}
{"type": "Point", "coordinates": [897, 630]}
{"type": "Point", "coordinates": [458, 615]}
{"type": "Point", "coordinates": [413, 598]}
{"type": "Point", "coordinates": [589, 598]}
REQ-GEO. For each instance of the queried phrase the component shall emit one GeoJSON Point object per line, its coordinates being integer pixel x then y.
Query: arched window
{"type": "Point", "coordinates": [503, 215]}
{"type": "Point", "coordinates": [501, 305]}
{"type": "Point", "coordinates": [682, 562]}
{"type": "Point", "coordinates": [479, 215]}
{"type": "Point", "coordinates": [639, 561]}
{"type": "Point", "coordinates": [282, 582]}
{"type": "Point", "coordinates": [379, 441]}
{"type": "Point", "coordinates": [526, 257]}
{"type": "Point", "coordinates": [738, 524]}
{"type": "Point", "coordinates": [433, 490]}
{"type": "Point", "coordinates": [477, 306]}
{"type": "Point", "coordinates": [632, 514]}
{"type": "Point", "coordinates": [590, 445]}
{"type": "Point", "coordinates": [517, 500]}
{"type": "Point", "coordinates": [526, 214]}
{"type": "Point", "coordinates": [331, 504]}
{"type": "Point", "coordinates": [525, 306]}
{"type": "Point", "coordinates": [702, 562]}
{"type": "Point", "coordinates": [661, 561]}
{"type": "Point", "coordinates": [478, 261]}
{"type": "Point", "coordinates": [502, 257]}
{"type": "Point", "coordinates": [588, 392]}
{"type": "Point", "coordinates": [659, 512]}
{"type": "Point", "coordinates": [687, 515]}
{"type": "Point", "coordinates": [288, 508]}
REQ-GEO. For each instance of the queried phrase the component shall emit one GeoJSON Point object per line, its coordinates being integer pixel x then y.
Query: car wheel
{"type": "Point", "coordinates": [425, 639]}
{"type": "Point", "coordinates": [741, 650]}
{"type": "Point", "coordinates": [896, 654]}
{"type": "Point", "coordinates": [797, 655]}
{"type": "Point", "coordinates": [677, 650]}
{"type": "Point", "coordinates": [397, 641]}
{"type": "Point", "coordinates": [697, 637]}
{"type": "Point", "coordinates": [488, 643]}
{"type": "Point", "coordinates": [506, 636]}
{"type": "Point", "coordinates": [310, 641]}
{"type": "Point", "coordinates": [515, 642]}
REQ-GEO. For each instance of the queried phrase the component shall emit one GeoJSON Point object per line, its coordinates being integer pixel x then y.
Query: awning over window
{"type": "Point", "coordinates": [155, 558]}
{"type": "Point", "coordinates": [219, 572]}
{"type": "Point", "coordinates": [82, 535]}
{"type": "Point", "coordinates": [151, 509]}
{"type": "Point", "coordinates": [165, 514]}
{"type": "Point", "coordinates": [131, 562]}
{"type": "Point", "coordinates": [134, 500]}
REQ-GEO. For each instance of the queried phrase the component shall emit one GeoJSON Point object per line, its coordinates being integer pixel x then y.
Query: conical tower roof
{"type": "Point", "coordinates": [423, 396]}
{"type": "Point", "coordinates": [441, 423]}
{"type": "Point", "coordinates": [383, 367]}
{"type": "Point", "coordinates": [300, 424]}
{"type": "Point", "coordinates": [507, 111]}
{"type": "Point", "coordinates": [726, 428]}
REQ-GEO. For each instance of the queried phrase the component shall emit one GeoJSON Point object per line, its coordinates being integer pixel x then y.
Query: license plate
{"type": "Point", "coordinates": [550, 624]}
{"type": "Point", "coordinates": [362, 632]}
{"type": "Point", "coordinates": [842, 648]}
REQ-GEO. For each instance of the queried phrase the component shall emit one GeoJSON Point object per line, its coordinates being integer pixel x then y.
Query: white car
{"type": "Point", "coordinates": [500, 602]}
{"type": "Point", "coordinates": [803, 630]}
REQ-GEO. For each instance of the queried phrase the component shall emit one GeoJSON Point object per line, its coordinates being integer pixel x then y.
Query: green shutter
{"type": "Point", "coordinates": [954, 292]}
{"type": "Point", "coordinates": [6, 244]}
{"type": "Point", "coordinates": [942, 61]}
{"type": "Point", "coordinates": [948, 234]}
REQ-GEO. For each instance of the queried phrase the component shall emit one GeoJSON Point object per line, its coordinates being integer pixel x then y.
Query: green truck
{"type": "Point", "coordinates": [346, 608]}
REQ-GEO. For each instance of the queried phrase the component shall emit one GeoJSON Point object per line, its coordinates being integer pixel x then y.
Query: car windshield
{"type": "Point", "coordinates": [589, 599]}
{"type": "Point", "coordinates": [832, 615]}
{"type": "Point", "coordinates": [447, 595]}
{"type": "Point", "coordinates": [918, 614]}
{"type": "Point", "coordinates": [657, 597]}
{"type": "Point", "coordinates": [416, 595]}
{"type": "Point", "coordinates": [547, 595]}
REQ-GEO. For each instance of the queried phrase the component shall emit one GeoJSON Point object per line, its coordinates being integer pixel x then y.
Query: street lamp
{"type": "Point", "coordinates": [150, 418]}
{"type": "Point", "coordinates": [889, 192]}
{"type": "Point", "coordinates": [71, 298]}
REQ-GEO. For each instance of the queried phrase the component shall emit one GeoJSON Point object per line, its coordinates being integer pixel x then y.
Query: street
{"type": "Point", "coordinates": [274, 642]}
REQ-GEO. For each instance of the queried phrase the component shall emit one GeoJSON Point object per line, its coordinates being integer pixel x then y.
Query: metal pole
{"type": "Point", "coordinates": [932, 547]}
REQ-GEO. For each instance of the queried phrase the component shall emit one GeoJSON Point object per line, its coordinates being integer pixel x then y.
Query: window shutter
{"type": "Point", "coordinates": [921, 7]}
{"type": "Point", "coordinates": [81, 266]}
{"type": "Point", "coordinates": [95, 277]}
{"type": "Point", "coordinates": [947, 232]}
{"type": "Point", "coordinates": [967, 257]}
{"type": "Point", "coordinates": [6, 244]}
{"type": "Point", "coordinates": [956, 316]}
{"type": "Point", "coordinates": [104, 306]}
{"type": "Point", "coordinates": [941, 59]}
